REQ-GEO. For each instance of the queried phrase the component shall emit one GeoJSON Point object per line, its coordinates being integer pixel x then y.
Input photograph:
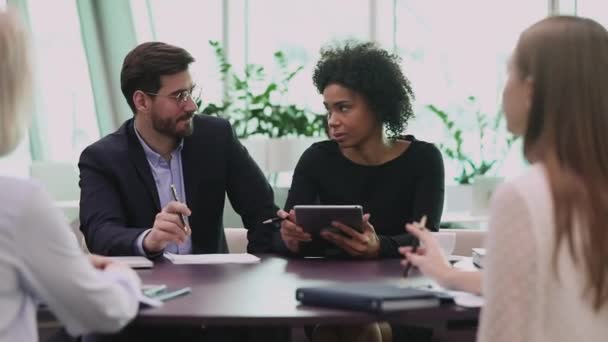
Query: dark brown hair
{"type": "Point", "coordinates": [567, 60]}
{"type": "Point", "coordinates": [144, 65]}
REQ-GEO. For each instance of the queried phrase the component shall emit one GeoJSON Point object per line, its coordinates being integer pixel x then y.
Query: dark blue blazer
{"type": "Point", "coordinates": [119, 199]}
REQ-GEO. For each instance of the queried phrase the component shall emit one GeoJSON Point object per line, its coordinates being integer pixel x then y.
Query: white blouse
{"type": "Point", "coordinates": [524, 300]}
{"type": "Point", "coordinates": [40, 261]}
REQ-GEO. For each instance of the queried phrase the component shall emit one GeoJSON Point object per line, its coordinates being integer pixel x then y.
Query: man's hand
{"type": "Point", "coordinates": [168, 227]}
{"type": "Point", "coordinates": [291, 233]}
{"type": "Point", "coordinates": [363, 245]}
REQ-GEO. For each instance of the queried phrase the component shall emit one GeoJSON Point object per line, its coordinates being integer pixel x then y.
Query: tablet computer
{"type": "Point", "coordinates": [314, 218]}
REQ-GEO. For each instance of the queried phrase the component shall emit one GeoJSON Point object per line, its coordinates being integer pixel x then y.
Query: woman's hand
{"type": "Point", "coordinates": [428, 257]}
{"type": "Point", "coordinates": [99, 262]}
{"type": "Point", "coordinates": [291, 233]}
{"type": "Point", "coordinates": [362, 245]}
{"type": "Point", "coordinates": [103, 263]}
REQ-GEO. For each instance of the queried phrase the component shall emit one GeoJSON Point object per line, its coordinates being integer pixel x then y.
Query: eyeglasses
{"type": "Point", "coordinates": [181, 97]}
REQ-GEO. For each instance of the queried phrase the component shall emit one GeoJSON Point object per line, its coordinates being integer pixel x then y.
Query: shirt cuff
{"type": "Point", "coordinates": [388, 248]}
{"type": "Point", "coordinates": [139, 245]}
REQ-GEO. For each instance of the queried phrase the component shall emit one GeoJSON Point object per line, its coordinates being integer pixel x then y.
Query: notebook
{"type": "Point", "coordinates": [370, 297]}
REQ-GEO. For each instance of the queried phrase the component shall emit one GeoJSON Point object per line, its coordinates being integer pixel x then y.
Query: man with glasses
{"type": "Point", "coordinates": [158, 184]}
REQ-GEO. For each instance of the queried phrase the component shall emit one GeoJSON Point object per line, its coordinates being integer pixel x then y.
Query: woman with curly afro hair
{"type": "Point", "coordinates": [367, 161]}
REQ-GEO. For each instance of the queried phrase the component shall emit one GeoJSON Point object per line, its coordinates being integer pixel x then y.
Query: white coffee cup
{"type": "Point", "coordinates": [446, 240]}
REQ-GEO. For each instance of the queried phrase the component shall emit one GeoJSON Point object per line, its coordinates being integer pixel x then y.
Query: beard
{"type": "Point", "coordinates": [169, 126]}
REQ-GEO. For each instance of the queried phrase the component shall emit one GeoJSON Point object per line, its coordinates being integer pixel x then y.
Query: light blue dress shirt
{"type": "Point", "coordinates": [165, 173]}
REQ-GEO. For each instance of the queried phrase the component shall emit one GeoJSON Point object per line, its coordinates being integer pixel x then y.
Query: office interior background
{"type": "Point", "coordinates": [453, 52]}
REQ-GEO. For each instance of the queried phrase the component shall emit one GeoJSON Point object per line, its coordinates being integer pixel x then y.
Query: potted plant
{"type": "Point", "coordinates": [477, 158]}
{"type": "Point", "coordinates": [255, 106]}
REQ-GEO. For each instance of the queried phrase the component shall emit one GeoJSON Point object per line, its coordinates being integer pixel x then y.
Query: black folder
{"type": "Point", "coordinates": [375, 298]}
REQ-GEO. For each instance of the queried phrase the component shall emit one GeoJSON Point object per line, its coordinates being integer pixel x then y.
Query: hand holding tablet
{"type": "Point", "coordinates": [315, 218]}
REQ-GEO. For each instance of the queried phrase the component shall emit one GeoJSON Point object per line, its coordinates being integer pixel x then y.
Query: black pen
{"type": "Point", "coordinates": [182, 217]}
{"type": "Point", "coordinates": [421, 225]}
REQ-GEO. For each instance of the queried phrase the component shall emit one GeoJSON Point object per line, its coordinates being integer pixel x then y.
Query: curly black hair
{"type": "Point", "coordinates": [372, 72]}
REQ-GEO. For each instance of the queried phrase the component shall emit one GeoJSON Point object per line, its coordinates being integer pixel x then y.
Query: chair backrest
{"type": "Point", "coordinates": [75, 225]}
{"type": "Point", "coordinates": [59, 178]}
{"type": "Point", "coordinates": [236, 239]}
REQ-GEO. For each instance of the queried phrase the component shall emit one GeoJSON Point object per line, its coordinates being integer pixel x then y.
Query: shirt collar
{"type": "Point", "coordinates": [153, 157]}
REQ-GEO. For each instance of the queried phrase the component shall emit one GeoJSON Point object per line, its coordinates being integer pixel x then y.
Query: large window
{"type": "Point", "coordinates": [451, 50]}
{"type": "Point", "coordinates": [595, 9]}
{"type": "Point", "coordinates": [189, 24]}
{"type": "Point", "coordinates": [300, 29]}
{"type": "Point", "coordinates": [456, 49]}
{"type": "Point", "coordinates": [65, 112]}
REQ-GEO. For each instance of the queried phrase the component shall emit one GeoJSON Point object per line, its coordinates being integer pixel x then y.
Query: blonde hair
{"type": "Point", "coordinates": [15, 80]}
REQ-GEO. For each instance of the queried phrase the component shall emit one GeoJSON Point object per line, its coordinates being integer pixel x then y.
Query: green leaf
{"type": "Point", "coordinates": [251, 112]}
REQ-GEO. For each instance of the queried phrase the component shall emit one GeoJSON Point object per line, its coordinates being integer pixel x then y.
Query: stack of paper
{"type": "Point", "coordinates": [466, 299]}
{"type": "Point", "coordinates": [230, 258]}
{"type": "Point", "coordinates": [134, 261]}
{"type": "Point", "coordinates": [478, 256]}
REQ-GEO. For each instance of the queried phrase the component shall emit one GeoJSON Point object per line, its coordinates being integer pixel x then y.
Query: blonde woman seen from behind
{"type": "Point", "coordinates": [40, 260]}
{"type": "Point", "coordinates": [546, 273]}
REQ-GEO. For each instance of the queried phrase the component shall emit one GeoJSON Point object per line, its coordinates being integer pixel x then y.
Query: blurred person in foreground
{"type": "Point", "coordinates": [40, 259]}
{"type": "Point", "coordinates": [545, 275]}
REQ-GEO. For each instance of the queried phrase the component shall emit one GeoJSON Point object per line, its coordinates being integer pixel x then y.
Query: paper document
{"type": "Point", "coordinates": [461, 298]}
{"type": "Point", "coordinates": [230, 258]}
{"type": "Point", "coordinates": [134, 261]}
{"type": "Point", "coordinates": [466, 299]}
{"type": "Point", "coordinates": [465, 264]}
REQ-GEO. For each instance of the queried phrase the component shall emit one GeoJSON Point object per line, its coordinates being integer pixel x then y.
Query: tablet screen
{"type": "Point", "coordinates": [314, 218]}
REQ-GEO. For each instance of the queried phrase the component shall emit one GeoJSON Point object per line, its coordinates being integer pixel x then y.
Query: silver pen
{"type": "Point", "coordinates": [182, 217]}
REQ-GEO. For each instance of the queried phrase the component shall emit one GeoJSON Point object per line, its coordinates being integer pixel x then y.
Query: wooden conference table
{"type": "Point", "coordinates": [264, 294]}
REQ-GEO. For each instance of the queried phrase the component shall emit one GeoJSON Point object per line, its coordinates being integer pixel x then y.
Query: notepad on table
{"type": "Point", "coordinates": [134, 261]}
{"type": "Point", "coordinates": [371, 297]}
{"type": "Point", "coordinates": [228, 258]}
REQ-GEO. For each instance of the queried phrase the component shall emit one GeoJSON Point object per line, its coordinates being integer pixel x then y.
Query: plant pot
{"type": "Point", "coordinates": [483, 188]}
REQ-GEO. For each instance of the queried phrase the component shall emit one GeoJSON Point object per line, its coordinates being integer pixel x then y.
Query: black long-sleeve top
{"type": "Point", "coordinates": [397, 192]}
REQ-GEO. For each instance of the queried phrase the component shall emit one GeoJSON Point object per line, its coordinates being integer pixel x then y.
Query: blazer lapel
{"type": "Point", "coordinates": [138, 157]}
{"type": "Point", "coordinates": [191, 175]}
